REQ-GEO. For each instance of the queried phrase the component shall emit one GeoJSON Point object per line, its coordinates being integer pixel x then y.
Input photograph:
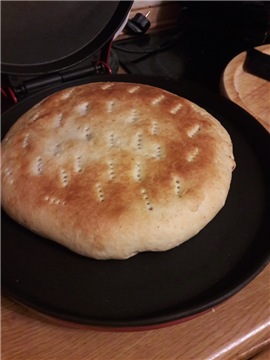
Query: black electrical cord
{"type": "Point", "coordinates": [163, 46]}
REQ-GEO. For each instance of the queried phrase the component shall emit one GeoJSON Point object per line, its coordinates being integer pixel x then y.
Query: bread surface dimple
{"type": "Point", "coordinates": [176, 108]}
{"type": "Point", "coordinates": [95, 161]}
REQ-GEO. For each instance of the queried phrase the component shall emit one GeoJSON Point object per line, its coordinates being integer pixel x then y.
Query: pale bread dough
{"type": "Point", "coordinates": [112, 169]}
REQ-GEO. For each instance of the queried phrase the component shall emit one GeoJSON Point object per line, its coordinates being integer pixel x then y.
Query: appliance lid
{"type": "Point", "coordinates": [45, 36]}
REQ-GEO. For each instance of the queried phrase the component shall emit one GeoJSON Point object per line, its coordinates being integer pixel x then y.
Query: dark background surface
{"type": "Point", "coordinates": [152, 288]}
{"type": "Point", "coordinates": [208, 35]}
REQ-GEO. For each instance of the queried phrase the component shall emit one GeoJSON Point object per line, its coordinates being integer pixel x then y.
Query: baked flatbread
{"type": "Point", "coordinates": [112, 169]}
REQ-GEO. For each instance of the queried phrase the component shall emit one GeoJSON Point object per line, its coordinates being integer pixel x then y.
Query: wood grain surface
{"type": "Point", "coordinates": [237, 329]}
{"type": "Point", "coordinates": [263, 355]}
{"type": "Point", "coordinates": [249, 91]}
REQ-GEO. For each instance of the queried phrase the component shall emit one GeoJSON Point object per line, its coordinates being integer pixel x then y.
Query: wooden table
{"type": "Point", "coordinates": [237, 329]}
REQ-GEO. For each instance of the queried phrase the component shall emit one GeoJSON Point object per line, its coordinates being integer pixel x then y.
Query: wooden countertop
{"type": "Point", "coordinates": [237, 329]}
{"type": "Point", "coordinates": [248, 91]}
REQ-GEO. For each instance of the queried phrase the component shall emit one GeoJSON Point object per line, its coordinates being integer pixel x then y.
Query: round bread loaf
{"type": "Point", "coordinates": [112, 169]}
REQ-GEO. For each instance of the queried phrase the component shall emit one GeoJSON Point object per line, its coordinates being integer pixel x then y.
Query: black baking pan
{"type": "Point", "coordinates": [44, 36]}
{"type": "Point", "coordinates": [152, 289]}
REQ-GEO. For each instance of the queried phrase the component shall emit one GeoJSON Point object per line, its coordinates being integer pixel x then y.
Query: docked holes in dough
{"type": "Point", "coordinates": [138, 171]}
{"type": "Point", "coordinates": [57, 149]}
{"type": "Point", "coordinates": [64, 177]}
{"type": "Point", "coordinates": [139, 141]}
{"type": "Point", "coordinates": [174, 110]}
{"type": "Point", "coordinates": [100, 193]}
{"type": "Point", "coordinates": [34, 117]}
{"type": "Point", "coordinates": [193, 154]}
{"type": "Point", "coordinates": [110, 106]}
{"type": "Point", "coordinates": [133, 117]}
{"type": "Point", "coordinates": [177, 187]}
{"type": "Point", "coordinates": [111, 170]}
{"type": "Point", "coordinates": [54, 201]}
{"type": "Point", "coordinates": [38, 166]}
{"type": "Point", "coordinates": [67, 94]}
{"type": "Point", "coordinates": [84, 132]}
{"type": "Point", "coordinates": [8, 175]}
{"type": "Point", "coordinates": [146, 199]}
{"type": "Point", "coordinates": [133, 89]}
{"type": "Point", "coordinates": [194, 130]}
{"type": "Point", "coordinates": [83, 108]}
{"type": "Point", "coordinates": [78, 164]}
{"type": "Point", "coordinates": [199, 110]}
{"type": "Point", "coordinates": [58, 120]}
{"type": "Point", "coordinates": [158, 152]}
{"type": "Point", "coordinates": [158, 100]}
{"type": "Point", "coordinates": [111, 140]}
{"type": "Point", "coordinates": [154, 128]}
{"type": "Point", "coordinates": [87, 133]}
{"type": "Point", "coordinates": [107, 86]}
{"type": "Point", "coordinates": [26, 140]}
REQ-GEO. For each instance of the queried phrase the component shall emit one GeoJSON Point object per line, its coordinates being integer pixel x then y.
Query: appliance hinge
{"type": "Point", "coordinates": [39, 83]}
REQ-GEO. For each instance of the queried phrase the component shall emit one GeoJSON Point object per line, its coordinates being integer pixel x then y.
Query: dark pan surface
{"type": "Point", "coordinates": [45, 36]}
{"type": "Point", "coordinates": [152, 288]}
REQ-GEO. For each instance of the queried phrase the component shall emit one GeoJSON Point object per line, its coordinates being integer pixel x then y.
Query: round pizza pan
{"type": "Point", "coordinates": [152, 289]}
{"type": "Point", "coordinates": [44, 36]}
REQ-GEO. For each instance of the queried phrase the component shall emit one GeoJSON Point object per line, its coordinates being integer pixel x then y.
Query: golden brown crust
{"type": "Point", "coordinates": [112, 169]}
